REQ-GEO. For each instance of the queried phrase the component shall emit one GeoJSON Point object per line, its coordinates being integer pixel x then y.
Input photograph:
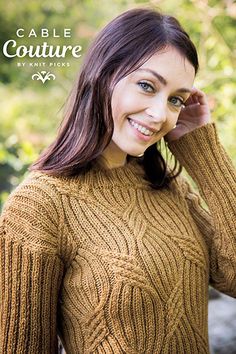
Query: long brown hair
{"type": "Point", "coordinates": [120, 48]}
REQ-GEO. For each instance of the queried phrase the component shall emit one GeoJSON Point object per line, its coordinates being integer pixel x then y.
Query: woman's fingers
{"type": "Point", "coordinates": [198, 96]}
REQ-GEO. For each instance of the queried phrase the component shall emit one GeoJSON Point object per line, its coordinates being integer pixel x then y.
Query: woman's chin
{"type": "Point", "coordinates": [136, 153]}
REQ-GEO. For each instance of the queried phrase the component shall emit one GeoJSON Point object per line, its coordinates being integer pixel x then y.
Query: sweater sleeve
{"type": "Point", "coordinates": [30, 270]}
{"type": "Point", "coordinates": [207, 162]}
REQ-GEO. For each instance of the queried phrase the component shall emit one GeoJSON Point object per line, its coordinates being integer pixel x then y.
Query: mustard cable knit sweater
{"type": "Point", "coordinates": [114, 266]}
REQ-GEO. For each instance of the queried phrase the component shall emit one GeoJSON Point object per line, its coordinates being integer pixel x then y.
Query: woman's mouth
{"type": "Point", "coordinates": [143, 134]}
{"type": "Point", "coordinates": [140, 128]}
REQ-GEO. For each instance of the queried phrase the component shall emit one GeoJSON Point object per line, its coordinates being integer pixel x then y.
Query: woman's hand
{"type": "Point", "coordinates": [195, 114]}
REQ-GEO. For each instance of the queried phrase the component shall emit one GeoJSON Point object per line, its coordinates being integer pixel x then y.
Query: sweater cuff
{"type": "Point", "coordinates": [205, 159]}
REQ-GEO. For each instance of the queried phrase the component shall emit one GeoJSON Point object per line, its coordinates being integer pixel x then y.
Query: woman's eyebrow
{"type": "Point", "coordinates": [162, 79]}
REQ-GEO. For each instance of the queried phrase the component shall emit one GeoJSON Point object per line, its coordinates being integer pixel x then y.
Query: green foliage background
{"type": "Point", "coordinates": [30, 111]}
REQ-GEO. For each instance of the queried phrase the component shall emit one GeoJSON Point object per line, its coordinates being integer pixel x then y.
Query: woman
{"type": "Point", "coordinates": [104, 243]}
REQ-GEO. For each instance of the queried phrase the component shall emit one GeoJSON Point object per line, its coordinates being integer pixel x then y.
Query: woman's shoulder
{"type": "Point", "coordinates": [33, 213]}
{"type": "Point", "coordinates": [40, 198]}
{"type": "Point", "coordinates": [35, 186]}
{"type": "Point", "coordinates": [43, 186]}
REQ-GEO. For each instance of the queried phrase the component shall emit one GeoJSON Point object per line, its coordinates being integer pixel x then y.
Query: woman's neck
{"type": "Point", "coordinates": [113, 157]}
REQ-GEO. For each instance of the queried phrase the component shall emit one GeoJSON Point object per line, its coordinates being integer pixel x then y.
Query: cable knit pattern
{"type": "Point", "coordinates": [114, 266]}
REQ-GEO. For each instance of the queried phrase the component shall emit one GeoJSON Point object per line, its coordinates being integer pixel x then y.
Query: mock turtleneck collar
{"type": "Point", "coordinates": [131, 174]}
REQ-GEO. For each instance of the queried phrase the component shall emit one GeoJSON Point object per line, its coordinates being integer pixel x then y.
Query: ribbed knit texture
{"type": "Point", "coordinates": [114, 266]}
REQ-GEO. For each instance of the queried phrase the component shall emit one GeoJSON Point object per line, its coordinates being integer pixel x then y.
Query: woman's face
{"type": "Point", "coordinates": [146, 104]}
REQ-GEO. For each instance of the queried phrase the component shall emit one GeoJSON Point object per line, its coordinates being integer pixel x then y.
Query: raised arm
{"type": "Point", "coordinates": [30, 271]}
{"type": "Point", "coordinates": [206, 161]}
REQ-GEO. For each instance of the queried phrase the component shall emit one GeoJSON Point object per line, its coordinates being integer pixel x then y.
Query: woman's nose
{"type": "Point", "coordinates": [157, 112]}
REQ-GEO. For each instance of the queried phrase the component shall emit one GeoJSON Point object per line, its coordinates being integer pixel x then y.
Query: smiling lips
{"type": "Point", "coordinates": [142, 129]}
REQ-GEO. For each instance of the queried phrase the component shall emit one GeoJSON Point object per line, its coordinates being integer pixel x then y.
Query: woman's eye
{"type": "Point", "coordinates": [177, 101]}
{"type": "Point", "coordinates": [146, 86]}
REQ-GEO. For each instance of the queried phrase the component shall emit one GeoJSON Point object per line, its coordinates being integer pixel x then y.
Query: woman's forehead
{"type": "Point", "coordinates": [167, 65]}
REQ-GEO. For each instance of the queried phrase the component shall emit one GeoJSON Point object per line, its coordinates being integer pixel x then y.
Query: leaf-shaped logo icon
{"type": "Point", "coordinates": [43, 76]}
